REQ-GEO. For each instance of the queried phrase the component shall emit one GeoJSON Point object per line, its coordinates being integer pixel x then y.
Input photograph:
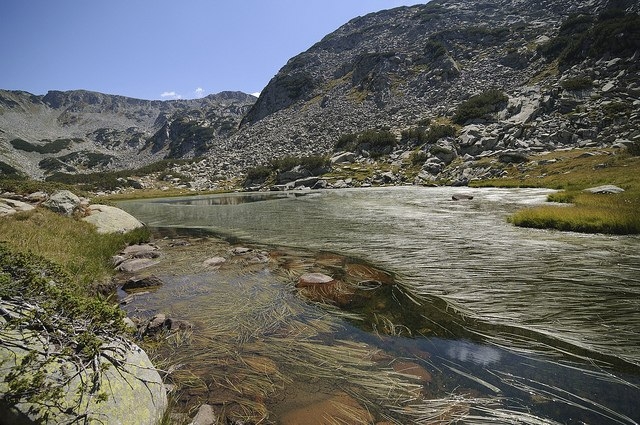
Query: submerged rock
{"type": "Point", "coordinates": [214, 261]}
{"type": "Point", "coordinates": [310, 279]}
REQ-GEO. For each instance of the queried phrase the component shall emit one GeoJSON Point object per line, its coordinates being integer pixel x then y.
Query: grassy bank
{"type": "Point", "coordinates": [571, 172]}
{"type": "Point", "coordinates": [73, 244]}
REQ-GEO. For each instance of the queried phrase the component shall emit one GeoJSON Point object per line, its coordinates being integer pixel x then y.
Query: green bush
{"type": "Point", "coordinates": [437, 132]}
{"type": "Point", "coordinates": [480, 106]}
{"type": "Point", "coordinates": [48, 148]}
{"type": "Point", "coordinates": [376, 142]}
{"type": "Point", "coordinates": [577, 83]}
{"type": "Point", "coordinates": [418, 157]}
{"type": "Point", "coordinates": [258, 174]}
{"type": "Point", "coordinates": [346, 142]}
{"type": "Point", "coordinates": [615, 33]}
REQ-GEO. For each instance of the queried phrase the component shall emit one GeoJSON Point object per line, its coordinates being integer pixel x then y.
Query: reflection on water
{"type": "Point", "coordinates": [550, 320]}
{"type": "Point", "coordinates": [464, 351]}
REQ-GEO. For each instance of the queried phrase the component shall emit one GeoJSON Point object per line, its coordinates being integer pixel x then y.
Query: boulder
{"type": "Point", "coordinates": [141, 283]}
{"type": "Point", "coordinates": [63, 202]}
{"type": "Point", "coordinates": [608, 188]}
{"type": "Point", "coordinates": [512, 157]}
{"type": "Point", "coordinates": [341, 158]}
{"type": "Point", "coordinates": [108, 219]}
{"type": "Point", "coordinates": [461, 197]}
{"type": "Point", "coordinates": [132, 390]}
{"type": "Point", "coordinates": [336, 408]}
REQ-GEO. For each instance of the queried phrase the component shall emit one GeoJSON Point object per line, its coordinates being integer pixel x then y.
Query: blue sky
{"type": "Point", "coordinates": [162, 49]}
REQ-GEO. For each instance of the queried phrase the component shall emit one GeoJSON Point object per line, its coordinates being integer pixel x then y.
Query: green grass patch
{"type": "Point", "coordinates": [572, 172]}
{"type": "Point", "coordinates": [82, 253]}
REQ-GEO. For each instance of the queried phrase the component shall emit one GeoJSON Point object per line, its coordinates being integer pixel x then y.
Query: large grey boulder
{"type": "Point", "coordinates": [108, 219]}
{"type": "Point", "coordinates": [128, 389]}
{"type": "Point", "coordinates": [63, 202]}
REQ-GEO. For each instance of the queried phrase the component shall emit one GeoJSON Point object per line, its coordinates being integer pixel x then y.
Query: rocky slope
{"type": "Point", "coordinates": [562, 74]}
{"type": "Point", "coordinates": [392, 69]}
{"type": "Point", "coordinates": [75, 131]}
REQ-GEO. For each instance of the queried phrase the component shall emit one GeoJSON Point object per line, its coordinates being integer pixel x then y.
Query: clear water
{"type": "Point", "coordinates": [545, 323]}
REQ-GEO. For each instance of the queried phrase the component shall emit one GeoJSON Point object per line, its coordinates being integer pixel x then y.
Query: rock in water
{"type": "Point", "coordinates": [141, 283]}
{"type": "Point", "coordinates": [311, 279]}
{"type": "Point", "coordinates": [461, 197]}
{"type": "Point", "coordinates": [109, 219]}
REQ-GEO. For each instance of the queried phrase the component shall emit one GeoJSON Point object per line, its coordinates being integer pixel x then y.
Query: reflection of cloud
{"type": "Point", "coordinates": [170, 95]}
{"type": "Point", "coordinates": [469, 352]}
{"type": "Point", "coordinates": [199, 92]}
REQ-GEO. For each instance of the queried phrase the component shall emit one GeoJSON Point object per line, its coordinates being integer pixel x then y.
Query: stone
{"type": "Point", "coordinates": [412, 369]}
{"type": "Point", "coordinates": [108, 219]}
{"type": "Point", "coordinates": [240, 250]}
{"type": "Point", "coordinates": [135, 264]}
{"type": "Point", "coordinates": [205, 416]}
{"type": "Point", "coordinates": [63, 202]}
{"type": "Point", "coordinates": [11, 206]}
{"type": "Point", "coordinates": [141, 283]}
{"type": "Point", "coordinates": [336, 408]}
{"type": "Point", "coordinates": [134, 390]}
{"type": "Point", "coordinates": [214, 261]}
{"type": "Point", "coordinates": [341, 158]}
{"type": "Point", "coordinates": [309, 279]}
{"type": "Point", "coordinates": [461, 197]}
{"type": "Point", "coordinates": [512, 157]}
{"type": "Point", "coordinates": [608, 188]}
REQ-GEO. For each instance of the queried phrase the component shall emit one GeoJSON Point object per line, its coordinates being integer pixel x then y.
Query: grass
{"type": "Point", "coordinates": [73, 244]}
{"type": "Point", "coordinates": [572, 172]}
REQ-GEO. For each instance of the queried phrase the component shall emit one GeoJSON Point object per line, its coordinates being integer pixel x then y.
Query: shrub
{"type": "Point", "coordinates": [614, 32]}
{"type": "Point", "coordinates": [346, 142]}
{"type": "Point", "coordinates": [437, 132]}
{"type": "Point", "coordinates": [257, 174]}
{"type": "Point", "coordinates": [577, 83]}
{"type": "Point", "coordinates": [480, 106]}
{"type": "Point", "coordinates": [48, 148]}
{"type": "Point", "coordinates": [376, 142]}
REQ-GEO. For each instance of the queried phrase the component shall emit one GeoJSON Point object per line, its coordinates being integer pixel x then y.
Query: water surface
{"type": "Point", "coordinates": [546, 322]}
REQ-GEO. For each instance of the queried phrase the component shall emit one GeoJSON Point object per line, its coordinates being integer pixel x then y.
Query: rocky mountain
{"type": "Point", "coordinates": [77, 131]}
{"type": "Point", "coordinates": [395, 68]}
{"type": "Point", "coordinates": [451, 81]}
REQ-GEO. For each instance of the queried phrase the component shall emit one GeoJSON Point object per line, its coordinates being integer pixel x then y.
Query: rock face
{"type": "Point", "coordinates": [80, 131]}
{"type": "Point", "coordinates": [134, 392]}
{"type": "Point", "coordinates": [108, 219]}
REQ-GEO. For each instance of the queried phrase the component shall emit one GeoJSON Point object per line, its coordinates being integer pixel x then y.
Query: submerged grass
{"type": "Point", "coordinates": [572, 172]}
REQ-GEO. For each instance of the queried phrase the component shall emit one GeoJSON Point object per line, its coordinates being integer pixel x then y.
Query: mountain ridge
{"type": "Point", "coordinates": [565, 77]}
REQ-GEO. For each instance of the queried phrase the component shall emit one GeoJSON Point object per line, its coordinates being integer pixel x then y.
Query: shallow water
{"type": "Point", "coordinates": [527, 325]}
